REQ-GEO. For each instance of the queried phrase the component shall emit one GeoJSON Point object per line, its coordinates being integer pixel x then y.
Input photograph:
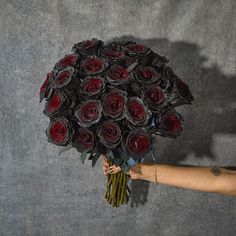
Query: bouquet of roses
{"type": "Point", "coordinates": [112, 100]}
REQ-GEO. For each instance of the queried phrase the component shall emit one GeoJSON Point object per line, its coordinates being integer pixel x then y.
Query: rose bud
{"type": "Point", "coordinates": [56, 105]}
{"type": "Point", "coordinates": [88, 113]}
{"type": "Point", "coordinates": [63, 78]}
{"type": "Point", "coordinates": [67, 60]}
{"type": "Point", "coordinates": [45, 89]}
{"type": "Point", "coordinates": [93, 65]}
{"type": "Point", "coordinates": [109, 133]}
{"type": "Point", "coordinates": [180, 93]}
{"type": "Point", "coordinates": [138, 143]}
{"type": "Point", "coordinates": [84, 140]}
{"type": "Point", "coordinates": [92, 85]}
{"type": "Point", "coordinates": [146, 74]}
{"type": "Point", "coordinates": [117, 75]}
{"type": "Point", "coordinates": [59, 131]}
{"type": "Point", "coordinates": [88, 47]}
{"type": "Point", "coordinates": [137, 113]}
{"type": "Point", "coordinates": [158, 60]}
{"type": "Point", "coordinates": [114, 104]}
{"type": "Point", "coordinates": [135, 49]}
{"type": "Point", "coordinates": [115, 45]}
{"type": "Point", "coordinates": [155, 97]}
{"type": "Point", "coordinates": [113, 54]}
{"type": "Point", "coordinates": [172, 123]}
{"type": "Point", "coordinates": [167, 79]}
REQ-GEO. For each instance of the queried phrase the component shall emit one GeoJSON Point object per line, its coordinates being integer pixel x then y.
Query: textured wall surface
{"type": "Point", "coordinates": [42, 194]}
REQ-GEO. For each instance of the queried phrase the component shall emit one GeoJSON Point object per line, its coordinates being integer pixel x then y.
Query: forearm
{"type": "Point", "coordinates": [208, 179]}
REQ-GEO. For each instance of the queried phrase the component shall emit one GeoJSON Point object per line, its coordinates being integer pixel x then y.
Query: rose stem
{"type": "Point", "coordinates": [114, 189]}
{"type": "Point", "coordinates": [123, 190]}
{"type": "Point", "coordinates": [108, 178]}
{"type": "Point", "coordinates": [108, 186]}
{"type": "Point", "coordinates": [125, 193]}
{"type": "Point", "coordinates": [112, 185]}
{"type": "Point", "coordinates": [109, 183]}
{"type": "Point", "coordinates": [119, 188]}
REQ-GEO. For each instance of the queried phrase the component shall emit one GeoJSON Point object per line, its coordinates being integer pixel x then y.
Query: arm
{"type": "Point", "coordinates": [207, 179]}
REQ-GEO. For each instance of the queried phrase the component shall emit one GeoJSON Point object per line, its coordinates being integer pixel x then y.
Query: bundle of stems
{"type": "Point", "coordinates": [118, 191]}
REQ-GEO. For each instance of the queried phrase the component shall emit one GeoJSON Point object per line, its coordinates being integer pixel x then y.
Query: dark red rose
{"type": "Point", "coordinates": [137, 113]}
{"type": "Point", "coordinates": [114, 104]}
{"type": "Point", "coordinates": [138, 143]}
{"type": "Point", "coordinates": [63, 78]}
{"type": "Point", "coordinates": [87, 43]}
{"type": "Point", "coordinates": [155, 97]}
{"type": "Point", "coordinates": [93, 65]}
{"type": "Point", "coordinates": [92, 85]}
{"type": "Point", "coordinates": [88, 47]}
{"type": "Point", "coordinates": [134, 49]}
{"type": "Point", "coordinates": [56, 104]}
{"type": "Point", "coordinates": [59, 132]}
{"type": "Point", "coordinates": [84, 140]}
{"type": "Point", "coordinates": [117, 75]}
{"type": "Point", "coordinates": [146, 74]}
{"type": "Point", "coordinates": [172, 122]}
{"type": "Point", "coordinates": [158, 60]}
{"type": "Point", "coordinates": [110, 133]}
{"type": "Point", "coordinates": [66, 61]}
{"type": "Point", "coordinates": [45, 87]}
{"type": "Point", "coordinates": [113, 54]}
{"type": "Point", "coordinates": [88, 113]}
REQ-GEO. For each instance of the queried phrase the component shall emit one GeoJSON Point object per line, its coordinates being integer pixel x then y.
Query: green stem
{"type": "Point", "coordinates": [117, 191]}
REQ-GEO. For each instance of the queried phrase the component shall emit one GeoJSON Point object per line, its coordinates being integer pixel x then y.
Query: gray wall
{"type": "Point", "coordinates": [42, 194]}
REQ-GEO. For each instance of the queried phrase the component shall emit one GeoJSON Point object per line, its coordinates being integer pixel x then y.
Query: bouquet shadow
{"type": "Point", "coordinates": [213, 111]}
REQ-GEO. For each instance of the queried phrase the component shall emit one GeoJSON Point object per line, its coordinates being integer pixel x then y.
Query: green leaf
{"type": "Point", "coordinates": [83, 156]}
{"type": "Point", "coordinates": [64, 149]}
{"type": "Point", "coordinates": [95, 158]}
{"type": "Point", "coordinates": [153, 155]}
{"type": "Point", "coordinates": [111, 155]}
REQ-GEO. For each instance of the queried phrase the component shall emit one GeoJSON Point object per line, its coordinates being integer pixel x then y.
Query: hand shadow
{"type": "Point", "coordinates": [213, 111]}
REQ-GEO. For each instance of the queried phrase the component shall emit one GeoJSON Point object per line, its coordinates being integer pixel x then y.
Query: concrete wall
{"type": "Point", "coordinates": [42, 194]}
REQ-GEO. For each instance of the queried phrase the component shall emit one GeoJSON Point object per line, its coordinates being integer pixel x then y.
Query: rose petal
{"type": "Point", "coordinates": [66, 61]}
{"type": "Point", "coordinates": [92, 85]}
{"type": "Point", "coordinates": [59, 132]}
{"type": "Point", "coordinates": [44, 89]}
{"type": "Point", "coordinates": [93, 65]}
{"type": "Point", "coordinates": [114, 104]}
{"type": "Point", "coordinates": [117, 75]}
{"type": "Point", "coordinates": [85, 140]}
{"type": "Point", "coordinates": [172, 122]}
{"type": "Point", "coordinates": [54, 103]}
{"type": "Point", "coordinates": [110, 134]}
{"type": "Point", "coordinates": [89, 113]}
{"type": "Point", "coordinates": [138, 143]}
{"type": "Point", "coordinates": [63, 78]}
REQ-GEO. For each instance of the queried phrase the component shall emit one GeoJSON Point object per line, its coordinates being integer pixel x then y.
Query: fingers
{"type": "Point", "coordinates": [109, 169]}
{"type": "Point", "coordinates": [114, 169]}
{"type": "Point", "coordinates": [104, 161]}
{"type": "Point", "coordinates": [103, 157]}
{"type": "Point", "coordinates": [105, 170]}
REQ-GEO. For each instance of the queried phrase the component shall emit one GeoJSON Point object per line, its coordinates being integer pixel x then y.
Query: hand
{"type": "Point", "coordinates": [109, 169]}
{"type": "Point", "coordinates": [135, 171]}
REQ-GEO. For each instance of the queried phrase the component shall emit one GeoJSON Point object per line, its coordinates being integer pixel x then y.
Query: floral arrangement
{"type": "Point", "coordinates": [112, 100]}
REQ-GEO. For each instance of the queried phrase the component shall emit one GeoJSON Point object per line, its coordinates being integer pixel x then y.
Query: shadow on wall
{"type": "Point", "coordinates": [213, 111]}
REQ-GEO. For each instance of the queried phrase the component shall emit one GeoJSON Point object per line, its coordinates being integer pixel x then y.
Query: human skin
{"type": "Point", "coordinates": [200, 178]}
